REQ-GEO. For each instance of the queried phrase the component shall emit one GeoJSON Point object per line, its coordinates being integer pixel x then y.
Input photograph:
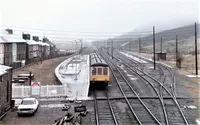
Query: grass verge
{"type": "Point", "coordinates": [1, 122]}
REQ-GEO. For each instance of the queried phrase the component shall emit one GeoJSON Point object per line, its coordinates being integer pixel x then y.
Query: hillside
{"type": "Point", "coordinates": [184, 34]}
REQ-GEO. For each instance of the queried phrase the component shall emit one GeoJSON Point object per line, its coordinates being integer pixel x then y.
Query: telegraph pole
{"type": "Point", "coordinates": [30, 75]}
{"type": "Point", "coordinates": [107, 46]}
{"type": "Point", "coordinates": [154, 55]}
{"type": "Point", "coordinates": [176, 50]}
{"type": "Point", "coordinates": [196, 59]}
{"type": "Point", "coordinates": [76, 45]}
{"type": "Point", "coordinates": [81, 43]}
{"type": "Point", "coordinates": [161, 45]}
{"type": "Point", "coordinates": [139, 45]}
{"type": "Point", "coordinates": [112, 48]}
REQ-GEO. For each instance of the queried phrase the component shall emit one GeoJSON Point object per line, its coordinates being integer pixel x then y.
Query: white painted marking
{"type": "Point", "coordinates": [193, 76]}
{"type": "Point", "coordinates": [129, 75]}
{"type": "Point", "coordinates": [191, 107]}
{"type": "Point", "coordinates": [52, 105]}
{"type": "Point", "coordinates": [109, 85]}
{"type": "Point", "coordinates": [134, 78]}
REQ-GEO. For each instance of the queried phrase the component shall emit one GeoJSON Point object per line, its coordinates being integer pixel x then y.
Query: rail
{"type": "Point", "coordinates": [174, 99]}
{"type": "Point", "coordinates": [146, 108]}
{"type": "Point", "coordinates": [96, 107]}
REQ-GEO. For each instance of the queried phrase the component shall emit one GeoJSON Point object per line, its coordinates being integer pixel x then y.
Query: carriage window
{"type": "Point", "coordinates": [99, 71]}
{"type": "Point", "coordinates": [105, 71]}
{"type": "Point", "coordinates": [93, 71]}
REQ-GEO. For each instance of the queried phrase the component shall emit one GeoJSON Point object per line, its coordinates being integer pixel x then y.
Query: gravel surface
{"type": "Point", "coordinates": [47, 113]}
{"type": "Point", "coordinates": [43, 72]}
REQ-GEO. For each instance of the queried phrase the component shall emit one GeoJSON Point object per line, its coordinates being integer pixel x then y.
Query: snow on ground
{"type": "Point", "coordinates": [193, 76]}
{"type": "Point", "coordinates": [133, 57]}
{"type": "Point", "coordinates": [198, 121]}
{"type": "Point", "coordinates": [191, 107]}
{"type": "Point", "coordinates": [74, 73]}
{"type": "Point", "coordinates": [125, 44]}
{"type": "Point", "coordinates": [141, 57]}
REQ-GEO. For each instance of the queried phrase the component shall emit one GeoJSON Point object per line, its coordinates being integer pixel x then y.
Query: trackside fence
{"type": "Point", "coordinates": [48, 91]}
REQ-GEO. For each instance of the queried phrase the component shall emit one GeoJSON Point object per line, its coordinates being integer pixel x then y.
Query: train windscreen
{"type": "Point", "coordinates": [105, 71]}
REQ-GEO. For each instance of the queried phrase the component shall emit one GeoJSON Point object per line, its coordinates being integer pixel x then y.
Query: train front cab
{"type": "Point", "coordinates": [99, 76]}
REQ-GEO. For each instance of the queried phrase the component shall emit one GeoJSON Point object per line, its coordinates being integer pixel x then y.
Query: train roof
{"type": "Point", "coordinates": [96, 60]}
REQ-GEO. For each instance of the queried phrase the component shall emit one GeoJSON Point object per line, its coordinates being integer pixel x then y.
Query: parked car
{"type": "Point", "coordinates": [28, 106]}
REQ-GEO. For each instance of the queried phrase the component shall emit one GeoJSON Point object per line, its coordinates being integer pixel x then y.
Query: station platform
{"type": "Point", "coordinates": [74, 74]}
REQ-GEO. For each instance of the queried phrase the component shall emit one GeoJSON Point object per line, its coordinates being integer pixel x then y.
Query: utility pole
{"type": "Point", "coordinates": [154, 55]}
{"type": "Point", "coordinates": [30, 75]}
{"type": "Point", "coordinates": [161, 44]}
{"type": "Point", "coordinates": [139, 45]}
{"type": "Point", "coordinates": [196, 59]}
{"type": "Point", "coordinates": [76, 45]}
{"type": "Point", "coordinates": [76, 72]}
{"type": "Point", "coordinates": [176, 50]}
{"type": "Point", "coordinates": [107, 46]}
{"type": "Point", "coordinates": [81, 43]}
{"type": "Point", "coordinates": [112, 48]}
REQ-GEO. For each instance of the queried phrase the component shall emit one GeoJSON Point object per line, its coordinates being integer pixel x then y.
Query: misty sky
{"type": "Point", "coordinates": [106, 17]}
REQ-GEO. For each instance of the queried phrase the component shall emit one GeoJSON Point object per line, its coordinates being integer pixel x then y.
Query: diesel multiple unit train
{"type": "Point", "coordinates": [99, 71]}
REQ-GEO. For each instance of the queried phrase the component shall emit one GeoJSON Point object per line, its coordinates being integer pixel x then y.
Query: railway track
{"type": "Point", "coordinates": [104, 114]}
{"type": "Point", "coordinates": [168, 78]}
{"type": "Point", "coordinates": [170, 81]}
{"type": "Point", "coordinates": [169, 106]}
{"type": "Point", "coordinates": [140, 111]}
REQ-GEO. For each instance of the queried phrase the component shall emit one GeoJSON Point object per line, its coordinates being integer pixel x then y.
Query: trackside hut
{"type": "Point", "coordinates": [5, 88]}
